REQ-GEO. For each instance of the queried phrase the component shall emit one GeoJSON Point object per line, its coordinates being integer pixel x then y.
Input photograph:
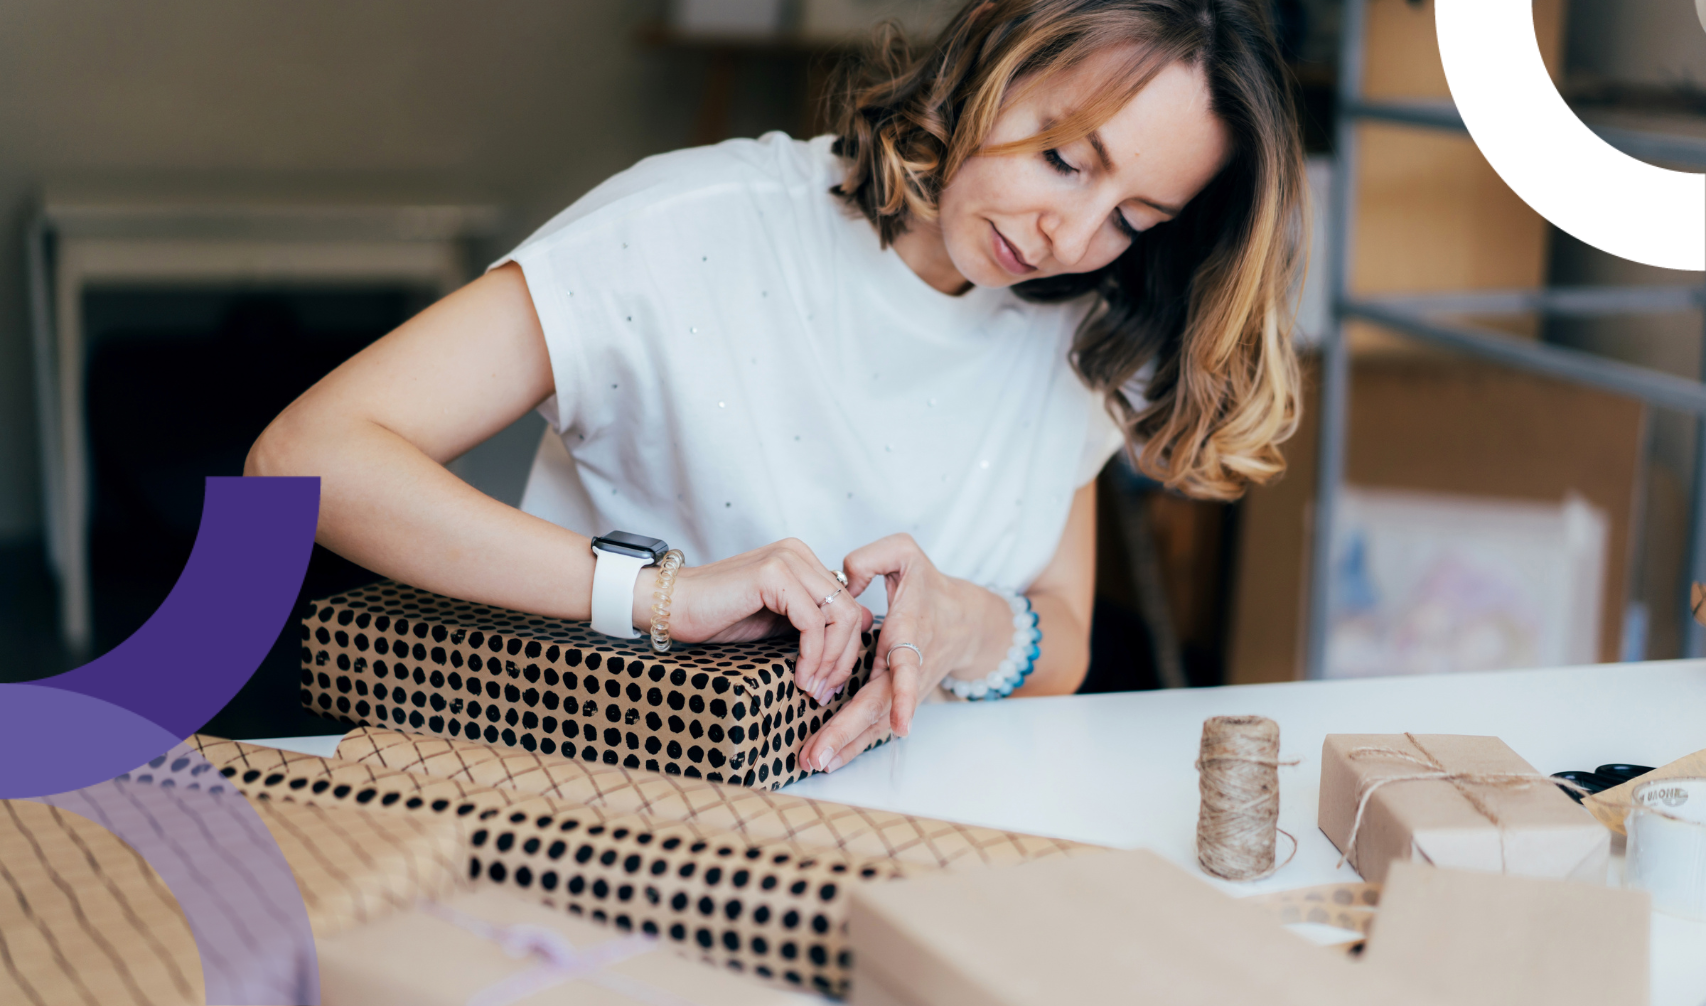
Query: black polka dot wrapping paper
{"type": "Point", "coordinates": [389, 655]}
{"type": "Point", "coordinates": [773, 910]}
{"type": "Point", "coordinates": [759, 815]}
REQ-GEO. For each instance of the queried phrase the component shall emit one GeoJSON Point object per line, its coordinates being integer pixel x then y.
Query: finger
{"type": "Point", "coordinates": [849, 619]}
{"type": "Point", "coordinates": [840, 647]}
{"type": "Point", "coordinates": [879, 558]}
{"type": "Point", "coordinates": [782, 592]}
{"type": "Point", "coordinates": [906, 672]}
{"type": "Point", "coordinates": [875, 732]}
{"type": "Point", "coordinates": [867, 709]}
{"type": "Point", "coordinates": [838, 621]}
{"type": "Point", "coordinates": [840, 668]}
{"type": "Point", "coordinates": [900, 664]}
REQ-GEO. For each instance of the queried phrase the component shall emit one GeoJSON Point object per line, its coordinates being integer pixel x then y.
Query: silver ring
{"type": "Point", "coordinates": [831, 597]}
{"type": "Point", "coordinates": [904, 646]}
{"type": "Point", "coordinates": [840, 577]}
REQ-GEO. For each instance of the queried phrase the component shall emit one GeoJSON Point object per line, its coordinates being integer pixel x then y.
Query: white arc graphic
{"type": "Point", "coordinates": [1550, 158]}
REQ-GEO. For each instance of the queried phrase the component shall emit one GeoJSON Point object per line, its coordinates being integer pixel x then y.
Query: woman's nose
{"type": "Point", "coordinates": [1070, 233]}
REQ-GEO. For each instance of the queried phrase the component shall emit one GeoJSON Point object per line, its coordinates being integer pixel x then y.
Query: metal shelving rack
{"type": "Point", "coordinates": [1417, 316]}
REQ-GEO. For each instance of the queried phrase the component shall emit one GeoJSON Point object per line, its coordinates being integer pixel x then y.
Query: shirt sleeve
{"type": "Point", "coordinates": [1101, 440]}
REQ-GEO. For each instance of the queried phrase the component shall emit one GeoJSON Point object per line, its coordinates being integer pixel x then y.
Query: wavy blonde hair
{"type": "Point", "coordinates": [1203, 297]}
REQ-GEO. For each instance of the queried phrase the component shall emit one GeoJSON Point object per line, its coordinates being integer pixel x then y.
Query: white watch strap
{"type": "Point", "coordinates": [613, 577]}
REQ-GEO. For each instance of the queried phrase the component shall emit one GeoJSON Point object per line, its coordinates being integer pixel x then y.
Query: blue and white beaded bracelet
{"type": "Point", "coordinates": [1020, 661]}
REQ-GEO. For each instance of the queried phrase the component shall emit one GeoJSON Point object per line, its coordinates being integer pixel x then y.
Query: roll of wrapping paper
{"type": "Point", "coordinates": [773, 909]}
{"type": "Point", "coordinates": [758, 815]}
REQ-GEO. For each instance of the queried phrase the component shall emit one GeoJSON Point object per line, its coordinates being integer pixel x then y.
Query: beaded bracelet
{"type": "Point", "coordinates": [661, 592]}
{"type": "Point", "coordinates": [1020, 661]}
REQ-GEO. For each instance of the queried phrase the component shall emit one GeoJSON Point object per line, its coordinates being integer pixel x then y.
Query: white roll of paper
{"type": "Point", "coordinates": [1667, 845]}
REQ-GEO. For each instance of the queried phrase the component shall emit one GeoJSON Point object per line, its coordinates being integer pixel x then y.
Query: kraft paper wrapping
{"type": "Point", "coordinates": [86, 919]}
{"type": "Point", "coordinates": [354, 867]}
{"type": "Point", "coordinates": [1611, 806]}
{"type": "Point", "coordinates": [391, 655]}
{"type": "Point", "coordinates": [775, 910]}
{"type": "Point", "coordinates": [1123, 927]}
{"type": "Point", "coordinates": [420, 959]}
{"type": "Point", "coordinates": [759, 815]}
{"type": "Point", "coordinates": [1540, 832]}
{"type": "Point", "coordinates": [1479, 940]}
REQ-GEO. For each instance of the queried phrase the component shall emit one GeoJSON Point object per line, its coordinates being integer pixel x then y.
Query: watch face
{"type": "Point", "coordinates": [637, 545]}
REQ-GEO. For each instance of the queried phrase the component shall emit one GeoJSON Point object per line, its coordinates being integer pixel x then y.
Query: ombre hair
{"type": "Point", "coordinates": [1203, 298]}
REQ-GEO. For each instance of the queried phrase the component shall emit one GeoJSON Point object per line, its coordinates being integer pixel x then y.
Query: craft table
{"type": "Point", "coordinates": [1116, 769]}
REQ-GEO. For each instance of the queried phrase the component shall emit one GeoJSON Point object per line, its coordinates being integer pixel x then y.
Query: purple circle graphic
{"type": "Point", "coordinates": [71, 734]}
{"type": "Point", "coordinates": [202, 645]}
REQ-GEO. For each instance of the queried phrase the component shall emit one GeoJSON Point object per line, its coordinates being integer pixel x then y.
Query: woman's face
{"type": "Point", "coordinates": [1075, 208]}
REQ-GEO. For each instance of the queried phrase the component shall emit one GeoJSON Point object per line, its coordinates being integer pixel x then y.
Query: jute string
{"type": "Point", "coordinates": [1238, 775]}
{"type": "Point", "coordinates": [1460, 780]}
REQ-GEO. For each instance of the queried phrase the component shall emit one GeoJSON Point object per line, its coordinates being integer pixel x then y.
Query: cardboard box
{"type": "Point", "coordinates": [1123, 927]}
{"type": "Point", "coordinates": [391, 655]}
{"type": "Point", "coordinates": [1479, 940]}
{"type": "Point", "coordinates": [1476, 821]}
{"type": "Point", "coordinates": [759, 815]}
{"type": "Point", "coordinates": [774, 909]}
{"type": "Point", "coordinates": [421, 959]}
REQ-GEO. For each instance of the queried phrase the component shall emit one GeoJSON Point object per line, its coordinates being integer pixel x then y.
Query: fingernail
{"type": "Point", "coordinates": [834, 763]}
{"type": "Point", "coordinates": [823, 761]}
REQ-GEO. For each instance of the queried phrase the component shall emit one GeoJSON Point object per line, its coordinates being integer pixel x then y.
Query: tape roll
{"type": "Point", "coordinates": [1667, 845]}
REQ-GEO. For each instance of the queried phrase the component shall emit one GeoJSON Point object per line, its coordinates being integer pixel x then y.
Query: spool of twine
{"type": "Point", "coordinates": [1238, 775]}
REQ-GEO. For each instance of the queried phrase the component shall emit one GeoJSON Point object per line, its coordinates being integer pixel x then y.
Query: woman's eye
{"type": "Point", "coordinates": [1055, 161]}
{"type": "Point", "coordinates": [1125, 226]}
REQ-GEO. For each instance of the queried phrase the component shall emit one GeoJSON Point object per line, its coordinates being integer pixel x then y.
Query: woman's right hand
{"type": "Point", "coordinates": [756, 594]}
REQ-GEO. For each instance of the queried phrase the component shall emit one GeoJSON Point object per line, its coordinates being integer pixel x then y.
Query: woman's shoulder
{"type": "Point", "coordinates": [710, 184]}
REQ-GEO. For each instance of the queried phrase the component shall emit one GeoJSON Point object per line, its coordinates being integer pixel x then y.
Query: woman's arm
{"type": "Point", "coordinates": [963, 629]}
{"type": "Point", "coordinates": [379, 430]}
{"type": "Point", "coordinates": [1064, 596]}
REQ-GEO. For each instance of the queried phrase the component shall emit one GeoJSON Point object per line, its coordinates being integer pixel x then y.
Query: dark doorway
{"type": "Point", "coordinates": [180, 382]}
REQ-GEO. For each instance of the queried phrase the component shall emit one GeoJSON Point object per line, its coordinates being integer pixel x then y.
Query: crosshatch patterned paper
{"type": "Point", "coordinates": [759, 815]}
{"type": "Point", "coordinates": [389, 655]}
{"type": "Point", "coordinates": [85, 919]}
{"type": "Point", "coordinates": [772, 909]}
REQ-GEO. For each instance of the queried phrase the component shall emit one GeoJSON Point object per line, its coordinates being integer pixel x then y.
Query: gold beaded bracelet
{"type": "Point", "coordinates": [667, 569]}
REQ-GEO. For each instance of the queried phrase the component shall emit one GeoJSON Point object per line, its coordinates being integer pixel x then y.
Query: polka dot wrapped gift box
{"type": "Point", "coordinates": [391, 655]}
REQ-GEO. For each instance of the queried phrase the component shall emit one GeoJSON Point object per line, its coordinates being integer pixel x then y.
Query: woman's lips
{"type": "Point", "coordinates": [1009, 256]}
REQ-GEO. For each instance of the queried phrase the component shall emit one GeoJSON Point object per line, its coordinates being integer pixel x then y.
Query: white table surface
{"type": "Point", "coordinates": [1116, 769]}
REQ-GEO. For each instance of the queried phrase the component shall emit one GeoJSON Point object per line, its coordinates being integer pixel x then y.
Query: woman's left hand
{"type": "Point", "coordinates": [952, 622]}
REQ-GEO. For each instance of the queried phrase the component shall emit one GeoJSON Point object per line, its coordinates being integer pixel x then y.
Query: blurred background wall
{"type": "Point", "coordinates": [526, 104]}
{"type": "Point", "coordinates": [523, 103]}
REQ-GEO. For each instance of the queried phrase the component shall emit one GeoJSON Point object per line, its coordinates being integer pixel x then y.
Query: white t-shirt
{"type": "Point", "coordinates": [737, 361]}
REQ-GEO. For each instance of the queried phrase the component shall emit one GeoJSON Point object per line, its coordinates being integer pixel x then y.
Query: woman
{"type": "Point", "coordinates": [1068, 225]}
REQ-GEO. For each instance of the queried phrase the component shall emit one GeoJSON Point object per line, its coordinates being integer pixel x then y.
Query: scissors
{"type": "Point", "coordinates": [1601, 778]}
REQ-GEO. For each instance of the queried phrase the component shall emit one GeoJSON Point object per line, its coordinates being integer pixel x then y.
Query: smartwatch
{"type": "Point", "coordinates": [620, 557]}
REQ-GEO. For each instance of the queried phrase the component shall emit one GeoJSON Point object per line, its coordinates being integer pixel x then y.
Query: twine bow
{"type": "Point", "coordinates": [1460, 780]}
{"type": "Point", "coordinates": [558, 961]}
